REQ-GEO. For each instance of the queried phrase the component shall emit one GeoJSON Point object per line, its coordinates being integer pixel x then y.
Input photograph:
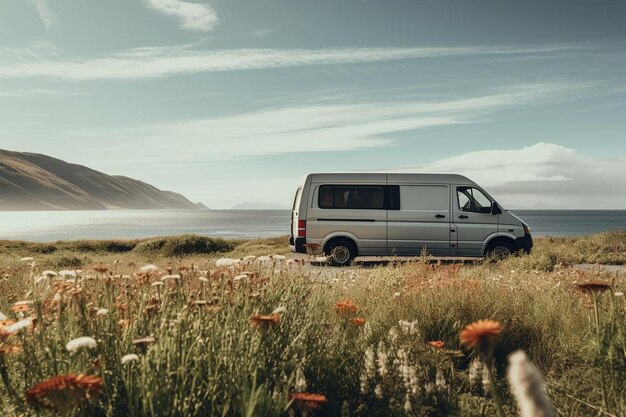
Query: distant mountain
{"type": "Point", "coordinates": [201, 206]}
{"type": "Point", "coordinates": [258, 205]}
{"type": "Point", "coordinates": [30, 181]}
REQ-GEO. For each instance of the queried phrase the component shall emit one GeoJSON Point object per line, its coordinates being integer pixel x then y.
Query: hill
{"type": "Point", "coordinates": [30, 181]}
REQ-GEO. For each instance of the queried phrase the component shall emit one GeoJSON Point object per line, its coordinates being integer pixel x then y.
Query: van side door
{"type": "Point", "coordinates": [471, 214]}
{"type": "Point", "coordinates": [421, 220]}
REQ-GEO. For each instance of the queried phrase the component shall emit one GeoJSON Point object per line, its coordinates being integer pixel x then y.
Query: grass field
{"type": "Point", "coordinates": [267, 336]}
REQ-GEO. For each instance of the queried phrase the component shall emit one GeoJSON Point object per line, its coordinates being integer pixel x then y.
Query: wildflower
{"type": "Point", "coordinates": [619, 294]}
{"type": "Point", "coordinates": [345, 307]}
{"type": "Point", "coordinates": [249, 258]}
{"type": "Point", "coordinates": [378, 391]}
{"type": "Point", "coordinates": [240, 277]}
{"type": "Point", "coordinates": [67, 273]}
{"type": "Point", "coordinates": [149, 268]}
{"type": "Point", "coordinates": [357, 321]}
{"type": "Point", "coordinates": [226, 262]}
{"type": "Point", "coordinates": [279, 257]}
{"type": "Point", "coordinates": [204, 279]}
{"type": "Point", "coordinates": [382, 357]}
{"type": "Point", "coordinates": [437, 344]}
{"type": "Point", "coordinates": [527, 387]}
{"type": "Point", "coordinates": [157, 283]}
{"type": "Point", "coordinates": [20, 308]}
{"type": "Point", "coordinates": [279, 310]}
{"type": "Point", "coordinates": [80, 343]}
{"type": "Point", "coordinates": [168, 277]}
{"type": "Point", "coordinates": [308, 401]}
{"type": "Point", "coordinates": [27, 259]}
{"type": "Point", "coordinates": [260, 320]}
{"type": "Point", "coordinates": [593, 287]}
{"type": "Point", "coordinates": [408, 327]}
{"type": "Point", "coordinates": [9, 349]}
{"type": "Point", "coordinates": [264, 259]}
{"type": "Point", "coordinates": [101, 268]}
{"type": "Point", "coordinates": [440, 381]}
{"type": "Point", "coordinates": [64, 392]}
{"type": "Point", "coordinates": [131, 357]}
{"type": "Point", "coordinates": [2, 316]}
{"type": "Point", "coordinates": [479, 334]}
{"type": "Point", "coordinates": [102, 312]}
{"type": "Point", "coordinates": [300, 384]}
{"type": "Point", "coordinates": [475, 373]}
{"type": "Point", "coordinates": [19, 326]}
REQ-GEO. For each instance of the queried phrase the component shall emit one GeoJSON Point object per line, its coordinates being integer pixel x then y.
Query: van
{"type": "Point", "coordinates": [345, 215]}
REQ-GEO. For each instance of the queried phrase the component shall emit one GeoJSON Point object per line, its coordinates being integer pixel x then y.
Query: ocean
{"type": "Point", "coordinates": [47, 226]}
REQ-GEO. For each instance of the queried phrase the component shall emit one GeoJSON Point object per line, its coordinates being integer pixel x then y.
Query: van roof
{"type": "Point", "coordinates": [430, 178]}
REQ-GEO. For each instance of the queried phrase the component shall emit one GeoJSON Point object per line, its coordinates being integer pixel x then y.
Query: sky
{"type": "Point", "coordinates": [235, 101]}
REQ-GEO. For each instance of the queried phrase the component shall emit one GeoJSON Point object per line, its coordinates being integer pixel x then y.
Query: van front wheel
{"type": "Point", "coordinates": [341, 253]}
{"type": "Point", "coordinates": [500, 250]}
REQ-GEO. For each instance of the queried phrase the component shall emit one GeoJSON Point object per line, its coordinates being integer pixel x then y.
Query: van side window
{"type": "Point", "coordinates": [363, 197]}
{"type": "Point", "coordinates": [473, 200]}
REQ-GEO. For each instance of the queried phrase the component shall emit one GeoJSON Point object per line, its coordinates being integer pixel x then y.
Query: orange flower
{"type": "Point", "coordinates": [479, 334]}
{"type": "Point", "coordinates": [357, 321]}
{"type": "Point", "coordinates": [309, 401]}
{"type": "Point", "coordinates": [21, 308]}
{"type": "Point", "coordinates": [64, 392]}
{"type": "Point", "coordinates": [5, 323]}
{"type": "Point", "coordinates": [593, 287]}
{"type": "Point", "coordinates": [437, 344]}
{"type": "Point", "coordinates": [264, 320]}
{"type": "Point", "coordinates": [345, 307]}
{"type": "Point", "coordinates": [9, 349]}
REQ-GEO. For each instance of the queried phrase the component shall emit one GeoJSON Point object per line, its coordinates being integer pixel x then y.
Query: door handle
{"type": "Point", "coordinates": [440, 216]}
{"type": "Point", "coordinates": [463, 216]}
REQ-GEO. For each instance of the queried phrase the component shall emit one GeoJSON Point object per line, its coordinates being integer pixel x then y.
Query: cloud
{"type": "Point", "coordinates": [193, 16]}
{"type": "Point", "coordinates": [543, 175]}
{"type": "Point", "coordinates": [320, 127]}
{"type": "Point", "coordinates": [48, 17]}
{"type": "Point", "coordinates": [38, 92]}
{"type": "Point", "coordinates": [157, 62]}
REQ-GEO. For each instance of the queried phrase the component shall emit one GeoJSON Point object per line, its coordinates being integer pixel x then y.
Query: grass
{"type": "Point", "coordinates": [208, 359]}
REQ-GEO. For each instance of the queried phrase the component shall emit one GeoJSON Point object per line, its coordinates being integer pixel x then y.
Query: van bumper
{"type": "Point", "coordinates": [297, 244]}
{"type": "Point", "coordinates": [524, 244]}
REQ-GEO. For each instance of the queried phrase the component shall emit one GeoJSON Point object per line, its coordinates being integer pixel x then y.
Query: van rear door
{"type": "Point", "coordinates": [294, 217]}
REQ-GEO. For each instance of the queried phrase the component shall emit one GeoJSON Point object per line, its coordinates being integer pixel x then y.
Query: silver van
{"type": "Point", "coordinates": [378, 214]}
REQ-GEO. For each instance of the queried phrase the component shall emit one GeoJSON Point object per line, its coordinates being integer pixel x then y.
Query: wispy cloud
{"type": "Point", "coordinates": [193, 16]}
{"type": "Point", "coordinates": [311, 128]}
{"type": "Point", "coordinates": [156, 62]}
{"type": "Point", "coordinates": [47, 15]}
{"type": "Point", "coordinates": [38, 92]}
{"type": "Point", "coordinates": [543, 175]}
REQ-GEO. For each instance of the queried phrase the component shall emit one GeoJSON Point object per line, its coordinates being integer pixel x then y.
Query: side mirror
{"type": "Point", "coordinates": [495, 208]}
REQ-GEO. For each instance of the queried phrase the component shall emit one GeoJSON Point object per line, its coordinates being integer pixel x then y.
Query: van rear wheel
{"type": "Point", "coordinates": [341, 252]}
{"type": "Point", "coordinates": [500, 250]}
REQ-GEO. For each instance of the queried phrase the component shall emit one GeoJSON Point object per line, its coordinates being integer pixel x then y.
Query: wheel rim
{"type": "Point", "coordinates": [500, 252]}
{"type": "Point", "coordinates": [341, 254]}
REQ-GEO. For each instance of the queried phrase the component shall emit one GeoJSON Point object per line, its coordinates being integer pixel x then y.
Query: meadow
{"type": "Point", "coordinates": [193, 326]}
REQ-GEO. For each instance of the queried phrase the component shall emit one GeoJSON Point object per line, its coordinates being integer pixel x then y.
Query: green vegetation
{"type": "Point", "coordinates": [210, 342]}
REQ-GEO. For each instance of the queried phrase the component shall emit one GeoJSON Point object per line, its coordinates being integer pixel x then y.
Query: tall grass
{"type": "Point", "coordinates": [207, 357]}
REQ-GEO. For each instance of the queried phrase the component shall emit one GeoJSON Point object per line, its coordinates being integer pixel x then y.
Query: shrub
{"type": "Point", "coordinates": [185, 245]}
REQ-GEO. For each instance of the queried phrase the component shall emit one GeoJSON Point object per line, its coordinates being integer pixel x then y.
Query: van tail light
{"type": "Point", "coordinates": [301, 228]}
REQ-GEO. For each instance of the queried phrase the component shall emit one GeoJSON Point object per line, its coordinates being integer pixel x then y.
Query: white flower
{"type": "Point", "coordinates": [204, 279]}
{"type": "Point", "coordinates": [81, 342]}
{"type": "Point", "coordinates": [146, 269]}
{"type": "Point", "coordinates": [279, 257]}
{"type": "Point", "coordinates": [619, 294]}
{"type": "Point", "coordinates": [129, 358]}
{"type": "Point", "coordinates": [166, 277]}
{"type": "Point", "coordinates": [20, 325]}
{"type": "Point", "coordinates": [381, 360]}
{"type": "Point", "coordinates": [440, 381]}
{"type": "Point", "coordinates": [226, 262]}
{"type": "Point", "coordinates": [396, 294]}
{"type": "Point", "coordinates": [157, 283]}
{"type": "Point", "coordinates": [264, 259]}
{"type": "Point", "coordinates": [240, 277]}
{"type": "Point", "coordinates": [527, 387]}
{"type": "Point", "coordinates": [67, 273]}
{"type": "Point", "coordinates": [49, 273]}
{"type": "Point", "coordinates": [300, 384]}
{"type": "Point", "coordinates": [475, 373]}
{"type": "Point", "coordinates": [27, 259]}
{"type": "Point", "coordinates": [279, 310]}
{"type": "Point", "coordinates": [102, 312]}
